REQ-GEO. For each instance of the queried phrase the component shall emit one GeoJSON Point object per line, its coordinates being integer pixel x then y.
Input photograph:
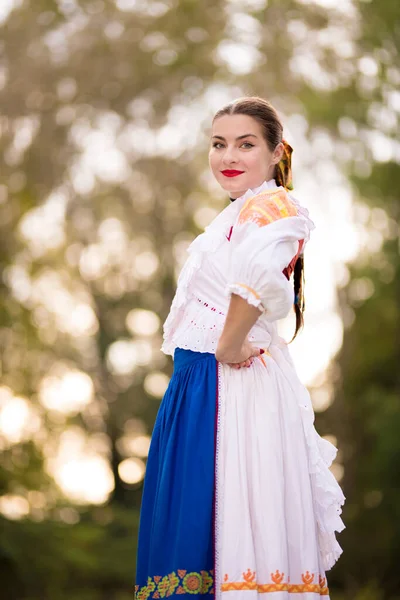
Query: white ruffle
{"type": "Point", "coordinates": [235, 288]}
{"type": "Point", "coordinates": [327, 493]}
{"type": "Point", "coordinates": [266, 185]}
{"type": "Point", "coordinates": [303, 212]}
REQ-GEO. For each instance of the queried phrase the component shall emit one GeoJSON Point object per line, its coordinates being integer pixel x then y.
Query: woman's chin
{"type": "Point", "coordinates": [232, 187]}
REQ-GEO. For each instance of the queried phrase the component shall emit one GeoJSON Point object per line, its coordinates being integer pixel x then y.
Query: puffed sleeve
{"type": "Point", "coordinates": [267, 237]}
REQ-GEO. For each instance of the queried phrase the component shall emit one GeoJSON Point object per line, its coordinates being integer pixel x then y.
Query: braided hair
{"type": "Point", "coordinates": [299, 302]}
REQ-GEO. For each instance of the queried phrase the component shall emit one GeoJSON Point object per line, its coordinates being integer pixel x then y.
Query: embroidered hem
{"type": "Point", "coordinates": [277, 584]}
{"type": "Point", "coordinates": [178, 582]}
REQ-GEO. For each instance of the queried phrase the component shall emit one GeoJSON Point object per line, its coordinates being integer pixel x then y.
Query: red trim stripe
{"type": "Point", "coordinates": [215, 475]}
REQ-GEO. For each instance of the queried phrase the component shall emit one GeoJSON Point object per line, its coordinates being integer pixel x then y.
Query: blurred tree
{"type": "Point", "coordinates": [366, 408]}
{"type": "Point", "coordinates": [363, 117]}
{"type": "Point", "coordinates": [97, 155]}
{"type": "Point", "coordinates": [103, 184]}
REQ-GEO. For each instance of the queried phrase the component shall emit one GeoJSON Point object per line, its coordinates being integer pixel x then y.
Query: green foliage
{"type": "Point", "coordinates": [92, 560]}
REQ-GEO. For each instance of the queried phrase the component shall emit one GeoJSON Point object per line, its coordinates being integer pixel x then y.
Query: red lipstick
{"type": "Point", "coordinates": [231, 173]}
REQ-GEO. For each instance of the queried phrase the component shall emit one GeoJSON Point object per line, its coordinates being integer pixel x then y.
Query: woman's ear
{"type": "Point", "coordinates": [278, 153]}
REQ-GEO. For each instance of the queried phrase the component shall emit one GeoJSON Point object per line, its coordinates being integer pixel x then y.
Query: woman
{"type": "Point", "coordinates": [238, 498]}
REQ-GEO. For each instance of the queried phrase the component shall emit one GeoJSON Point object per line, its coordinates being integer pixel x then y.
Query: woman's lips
{"type": "Point", "coordinates": [231, 173]}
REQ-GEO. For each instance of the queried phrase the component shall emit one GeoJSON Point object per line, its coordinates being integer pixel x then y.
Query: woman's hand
{"type": "Point", "coordinates": [233, 347]}
{"type": "Point", "coordinates": [238, 358]}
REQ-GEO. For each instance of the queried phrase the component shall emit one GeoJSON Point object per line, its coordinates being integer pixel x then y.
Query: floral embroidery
{"type": "Point", "coordinates": [192, 583]}
{"type": "Point", "coordinates": [266, 207]}
{"type": "Point", "coordinates": [277, 584]}
{"type": "Point", "coordinates": [180, 582]}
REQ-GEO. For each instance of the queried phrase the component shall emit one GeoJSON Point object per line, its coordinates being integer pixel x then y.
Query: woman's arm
{"type": "Point", "coordinates": [265, 240]}
{"type": "Point", "coordinates": [233, 346]}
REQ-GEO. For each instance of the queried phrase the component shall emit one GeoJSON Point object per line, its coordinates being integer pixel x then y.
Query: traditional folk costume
{"type": "Point", "coordinates": [239, 502]}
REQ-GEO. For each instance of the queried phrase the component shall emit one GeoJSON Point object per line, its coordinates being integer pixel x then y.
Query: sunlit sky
{"type": "Point", "coordinates": [106, 149]}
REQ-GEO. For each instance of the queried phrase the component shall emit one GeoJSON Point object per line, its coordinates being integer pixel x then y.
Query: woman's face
{"type": "Point", "coordinates": [239, 156]}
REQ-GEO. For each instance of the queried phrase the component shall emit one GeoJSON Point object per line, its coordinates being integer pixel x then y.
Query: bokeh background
{"type": "Point", "coordinates": [106, 108]}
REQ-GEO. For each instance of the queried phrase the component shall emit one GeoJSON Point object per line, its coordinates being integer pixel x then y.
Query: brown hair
{"type": "Point", "coordinates": [266, 115]}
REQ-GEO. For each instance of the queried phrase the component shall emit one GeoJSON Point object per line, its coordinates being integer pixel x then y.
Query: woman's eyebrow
{"type": "Point", "coordinates": [240, 137]}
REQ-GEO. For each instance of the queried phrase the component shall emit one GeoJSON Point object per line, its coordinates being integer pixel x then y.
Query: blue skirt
{"type": "Point", "coordinates": [176, 532]}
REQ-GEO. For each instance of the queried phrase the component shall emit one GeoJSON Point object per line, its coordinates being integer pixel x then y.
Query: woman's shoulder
{"type": "Point", "coordinates": [272, 206]}
{"type": "Point", "coordinates": [268, 206]}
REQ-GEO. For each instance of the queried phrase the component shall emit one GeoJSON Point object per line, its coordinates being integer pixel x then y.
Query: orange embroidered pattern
{"type": "Point", "coordinates": [277, 584]}
{"type": "Point", "coordinates": [179, 582]}
{"type": "Point", "coordinates": [267, 207]}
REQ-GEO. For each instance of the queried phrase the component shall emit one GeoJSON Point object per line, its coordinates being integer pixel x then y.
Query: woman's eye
{"type": "Point", "coordinates": [218, 144]}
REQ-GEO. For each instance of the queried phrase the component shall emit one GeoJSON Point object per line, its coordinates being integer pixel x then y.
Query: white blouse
{"type": "Point", "coordinates": [243, 251]}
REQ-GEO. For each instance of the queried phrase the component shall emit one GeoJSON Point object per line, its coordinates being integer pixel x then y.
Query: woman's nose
{"type": "Point", "coordinates": [230, 156]}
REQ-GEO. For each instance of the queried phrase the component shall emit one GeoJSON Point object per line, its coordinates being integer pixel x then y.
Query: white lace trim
{"type": "Point", "coordinates": [193, 327]}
